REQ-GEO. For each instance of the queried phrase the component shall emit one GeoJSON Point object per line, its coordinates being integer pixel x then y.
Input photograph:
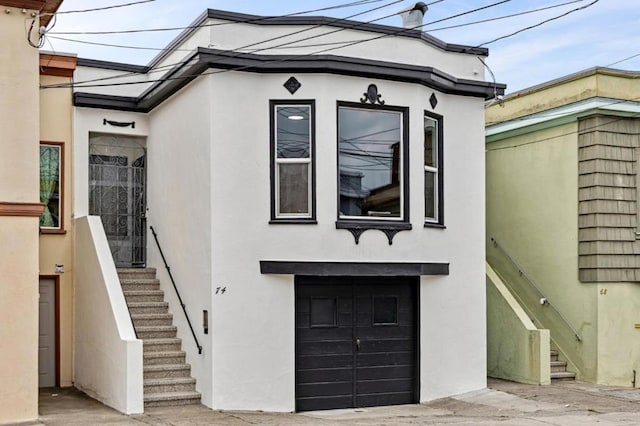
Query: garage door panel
{"type": "Point", "coordinates": [329, 347]}
{"type": "Point", "coordinates": [387, 372]}
{"type": "Point", "coordinates": [324, 361]}
{"type": "Point", "coordinates": [324, 403]}
{"type": "Point", "coordinates": [341, 374]}
{"type": "Point", "coordinates": [391, 398]}
{"type": "Point", "coordinates": [384, 386]}
{"type": "Point", "coordinates": [385, 358]}
{"type": "Point", "coordinates": [332, 314]}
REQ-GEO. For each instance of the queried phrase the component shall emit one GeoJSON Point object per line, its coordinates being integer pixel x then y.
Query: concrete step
{"type": "Point", "coordinates": [140, 284]}
{"type": "Point", "coordinates": [563, 375]}
{"type": "Point", "coordinates": [162, 345]}
{"type": "Point", "coordinates": [173, 398]}
{"type": "Point", "coordinates": [558, 366]}
{"type": "Point", "coordinates": [163, 357]}
{"type": "Point", "coordinates": [148, 308]}
{"type": "Point", "coordinates": [144, 296]}
{"type": "Point", "coordinates": [145, 320]}
{"type": "Point", "coordinates": [554, 355]}
{"type": "Point", "coordinates": [167, 370]}
{"type": "Point", "coordinates": [128, 273]}
{"type": "Point", "coordinates": [157, 332]}
{"type": "Point", "coordinates": [169, 385]}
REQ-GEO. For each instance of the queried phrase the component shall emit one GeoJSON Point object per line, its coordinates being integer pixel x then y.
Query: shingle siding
{"type": "Point", "coordinates": [608, 199]}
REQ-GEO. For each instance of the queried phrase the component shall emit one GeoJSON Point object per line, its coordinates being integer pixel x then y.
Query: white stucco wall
{"type": "Point", "coordinates": [108, 357]}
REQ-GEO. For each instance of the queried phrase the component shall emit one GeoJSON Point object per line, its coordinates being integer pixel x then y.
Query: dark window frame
{"type": "Point", "coordinates": [439, 208]}
{"type": "Point", "coordinates": [389, 226]}
{"type": "Point", "coordinates": [273, 104]}
{"type": "Point", "coordinates": [60, 229]}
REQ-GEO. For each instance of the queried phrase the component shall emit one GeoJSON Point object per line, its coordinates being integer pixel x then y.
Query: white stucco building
{"type": "Point", "coordinates": [317, 187]}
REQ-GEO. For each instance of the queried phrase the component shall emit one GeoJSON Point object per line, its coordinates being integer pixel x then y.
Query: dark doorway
{"type": "Point", "coordinates": [356, 342]}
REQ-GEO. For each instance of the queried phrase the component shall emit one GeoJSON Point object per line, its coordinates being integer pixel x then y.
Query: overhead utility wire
{"type": "Point", "coordinates": [237, 50]}
{"type": "Point", "coordinates": [115, 6]}
{"type": "Point", "coordinates": [256, 19]}
{"type": "Point", "coordinates": [540, 23]}
{"type": "Point", "coordinates": [395, 33]}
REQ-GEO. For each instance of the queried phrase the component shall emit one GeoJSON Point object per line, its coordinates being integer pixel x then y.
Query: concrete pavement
{"type": "Point", "coordinates": [503, 403]}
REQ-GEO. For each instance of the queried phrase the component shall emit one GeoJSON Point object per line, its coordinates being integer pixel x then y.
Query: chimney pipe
{"type": "Point", "coordinates": [413, 17]}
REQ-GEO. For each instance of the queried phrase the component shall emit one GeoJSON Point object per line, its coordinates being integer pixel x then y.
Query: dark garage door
{"type": "Point", "coordinates": [356, 343]}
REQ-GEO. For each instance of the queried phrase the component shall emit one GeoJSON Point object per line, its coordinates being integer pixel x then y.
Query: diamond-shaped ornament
{"type": "Point", "coordinates": [292, 85]}
{"type": "Point", "coordinates": [433, 101]}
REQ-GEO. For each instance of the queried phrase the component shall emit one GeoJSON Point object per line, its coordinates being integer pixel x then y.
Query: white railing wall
{"type": "Point", "coordinates": [108, 356]}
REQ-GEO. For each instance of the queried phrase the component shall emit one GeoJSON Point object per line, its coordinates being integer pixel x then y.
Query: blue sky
{"type": "Point", "coordinates": [599, 35]}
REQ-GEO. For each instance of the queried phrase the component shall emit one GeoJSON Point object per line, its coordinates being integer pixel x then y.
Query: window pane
{"type": "Point", "coordinates": [293, 132]}
{"type": "Point", "coordinates": [385, 310]}
{"type": "Point", "coordinates": [293, 188]}
{"type": "Point", "coordinates": [50, 186]}
{"type": "Point", "coordinates": [430, 194]}
{"type": "Point", "coordinates": [369, 160]}
{"type": "Point", "coordinates": [323, 312]}
{"type": "Point", "coordinates": [430, 143]}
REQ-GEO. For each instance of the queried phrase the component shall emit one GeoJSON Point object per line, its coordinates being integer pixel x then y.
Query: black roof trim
{"type": "Point", "coordinates": [365, 269]}
{"type": "Point", "coordinates": [96, 100]}
{"type": "Point", "coordinates": [329, 64]}
{"type": "Point", "coordinates": [313, 20]}
{"type": "Point", "coordinates": [346, 24]}
{"type": "Point", "coordinates": [116, 66]}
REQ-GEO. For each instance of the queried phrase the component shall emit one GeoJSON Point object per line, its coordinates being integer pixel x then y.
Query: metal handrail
{"type": "Point", "coordinates": [184, 309]}
{"type": "Point", "coordinates": [544, 299]}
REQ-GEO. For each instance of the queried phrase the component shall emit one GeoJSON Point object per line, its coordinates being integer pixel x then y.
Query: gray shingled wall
{"type": "Point", "coordinates": [607, 199]}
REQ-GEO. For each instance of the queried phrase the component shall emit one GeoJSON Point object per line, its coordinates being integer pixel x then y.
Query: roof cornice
{"type": "Point", "coordinates": [204, 59]}
{"type": "Point", "coordinates": [42, 6]}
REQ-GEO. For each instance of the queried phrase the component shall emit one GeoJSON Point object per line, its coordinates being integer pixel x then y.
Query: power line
{"type": "Point", "coordinates": [98, 8]}
{"type": "Point", "coordinates": [540, 23]}
{"type": "Point", "coordinates": [252, 20]}
{"type": "Point", "coordinates": [395, 33]}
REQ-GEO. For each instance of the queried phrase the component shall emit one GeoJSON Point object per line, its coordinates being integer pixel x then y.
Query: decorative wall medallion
{"type": "Point", "coordinates": [292, 85]}
{"type": "Point", "coordinates": [433, 101]}
{"type": "Point", "coordinates": [119, 123]}
{"type": "Point", "coordinates": [372, 95]}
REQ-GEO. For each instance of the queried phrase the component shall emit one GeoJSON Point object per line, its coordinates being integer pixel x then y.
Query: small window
{"type": "Point", "coordinates": [372, 161]}
{"type": "Point", "coordinates": [433, 202]}
{"type": "Point", "coordinates": [51, 172]}
{"type": "Point", "coordinates": [385, 310]}
{"type": "Point", "coordinates": [292, 162]}
{"type": "Point", "coordinates": [324, 312]}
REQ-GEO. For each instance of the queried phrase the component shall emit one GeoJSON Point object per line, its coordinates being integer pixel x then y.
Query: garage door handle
{"type": "Point", "coordinates": [358, 345]}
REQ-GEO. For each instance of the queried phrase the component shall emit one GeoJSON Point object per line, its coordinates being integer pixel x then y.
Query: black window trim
{"type": "Point", "coordinates": [392, 226]}
{"type": "Point", "coordinates": [273, 103]}
{"type": "Point", "coordinates": [440, 188]}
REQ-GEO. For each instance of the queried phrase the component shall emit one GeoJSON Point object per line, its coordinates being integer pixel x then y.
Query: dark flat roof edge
{"type": "Point", "coordinates": [328, 269]}
{"type": "Point", "coordinates": [236, 17]}
{"type": "Point", "coordinates": [346, 24]}
{"type": "Point", "coordinates": [116, 66]}
{"type": "Point", "coordinates": [206, 58]}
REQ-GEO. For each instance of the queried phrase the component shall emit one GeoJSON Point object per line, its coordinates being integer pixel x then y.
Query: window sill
{"type": "Point", "coordinates": [292, 221]}
{"type": "Point", "coordinates": [357, 227]}
{"type": "Point", "coordinates": [434, 225]}
{"type": "Point", "coordinates": [52, 231]}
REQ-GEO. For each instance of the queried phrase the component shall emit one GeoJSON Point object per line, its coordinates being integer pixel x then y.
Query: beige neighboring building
{"type": "Point", "coordinates": [21, 209]}
{"type": "Point", "coordinates": [563, 228]}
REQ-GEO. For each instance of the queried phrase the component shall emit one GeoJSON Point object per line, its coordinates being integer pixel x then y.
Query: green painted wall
{"type": "Point", "coordinates": [532, 199]}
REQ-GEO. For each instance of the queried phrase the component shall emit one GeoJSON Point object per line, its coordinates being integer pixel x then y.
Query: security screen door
{"type": "Point", "coordinates": [117, 194]}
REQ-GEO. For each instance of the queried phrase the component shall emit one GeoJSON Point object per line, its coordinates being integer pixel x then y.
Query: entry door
{"type": "Point", "coordinates": [356, 342]}
{"type": "Point", "coordinates": [47, 334]}
{"type": "Point", "coordinates": [117, 195]}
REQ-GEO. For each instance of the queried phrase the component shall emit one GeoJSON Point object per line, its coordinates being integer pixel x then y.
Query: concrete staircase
{"type": "Point", "coordinates": [167, 378]}
{"type": "Point", "coordinates": [559, 368]}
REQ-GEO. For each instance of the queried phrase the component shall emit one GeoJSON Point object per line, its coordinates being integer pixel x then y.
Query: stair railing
{"type": "Point", "coordinates": [184, 308]}
{"type": "Point", "coordinates": [544, 300]}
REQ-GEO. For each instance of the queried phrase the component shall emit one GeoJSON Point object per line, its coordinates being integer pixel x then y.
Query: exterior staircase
{"type": "Point", "coordinates": [167, 377]}
{"type": "Point", "coordinates": [559, 368]}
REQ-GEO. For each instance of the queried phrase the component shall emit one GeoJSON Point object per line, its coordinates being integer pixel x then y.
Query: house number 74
{"type": "Point", "coordinates": [220, 290]}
